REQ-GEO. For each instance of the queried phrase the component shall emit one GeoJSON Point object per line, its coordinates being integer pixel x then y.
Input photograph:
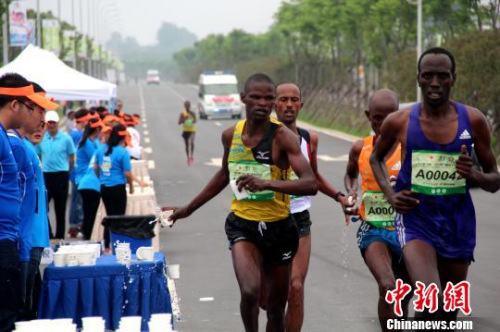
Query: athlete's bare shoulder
{"type": "Point", "coordinates": [355, 150]}
{"type": "Point", "coordinates": [474, 114]}
{"type": "Point", "coordinates": [227, 136]}
{"type": "Point", "coordinates": [395, 124]}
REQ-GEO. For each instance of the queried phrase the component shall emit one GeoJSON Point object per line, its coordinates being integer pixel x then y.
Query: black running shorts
{"type": "Point", "coordinates": [303, 221]}
{"type": "Point", "coordinates": [277, 241]}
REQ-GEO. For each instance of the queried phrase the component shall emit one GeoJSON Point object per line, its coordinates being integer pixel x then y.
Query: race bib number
{"type": "Point", "coordinates": [435, 173]}
{"type": "Point", "coordinates": [188, 122]}
{"type": "Point", "coordinates": [378, 212]}
{"type": "Point", "coordinates": [249, 167]}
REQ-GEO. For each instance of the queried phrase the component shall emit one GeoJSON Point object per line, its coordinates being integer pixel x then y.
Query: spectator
{"type": "Point", "coordinates": [57, 152]}
{"type": "Point", "coordinates": [135, 149]}
{"type": "Point", "coordinates": [113, 167]}
{"type": "Point", "coordinates": [82, 116]}
{"type": "Point", "coordinates": [13, 92]}
{"type": "Point", "coordinates": [87, 182]}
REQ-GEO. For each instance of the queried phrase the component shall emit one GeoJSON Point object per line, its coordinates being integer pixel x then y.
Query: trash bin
{"type": "Point", "coordinates": [136, 230]}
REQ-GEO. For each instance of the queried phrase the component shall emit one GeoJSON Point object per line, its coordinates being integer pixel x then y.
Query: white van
{"type": "Point", "coordinates": [153, 77]}
{"type": "Point", "coordinates": [218, 95]}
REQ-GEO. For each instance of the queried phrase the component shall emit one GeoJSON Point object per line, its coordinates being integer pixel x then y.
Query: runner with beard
{"type": "Point", "coordinates": [258, 154]}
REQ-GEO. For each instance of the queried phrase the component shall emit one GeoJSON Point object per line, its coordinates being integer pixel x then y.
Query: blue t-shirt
{"type": "Point", "coordinates": [113, 167]}
{"type": "Point", "coordinates": [9, 190]}
{"type": "Point", "coordinates": [76, 135]}
{"type": "Point", "coordinates": [83, 156]}
{"type": "Point", "coordinates": [55, 152]}
{"type": "Point", "coordinates": [27, 191]}
{"type": "Point", "coordinates": [90, 181]}
{"type": "Point", "coordinates": [40, 231]}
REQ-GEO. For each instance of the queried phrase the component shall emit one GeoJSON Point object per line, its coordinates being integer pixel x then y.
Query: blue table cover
{"type": "Point", "coordinates": [107, 289]}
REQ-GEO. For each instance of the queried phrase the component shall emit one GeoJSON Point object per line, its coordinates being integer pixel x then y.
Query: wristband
{"type": "Point", "coordinates": [337, 194]}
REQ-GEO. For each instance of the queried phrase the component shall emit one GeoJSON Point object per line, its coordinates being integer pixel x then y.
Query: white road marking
{"type": "Point", "coordinates": [141, 99]}
{"type": "Point", "coordinates": [218, 124]}
{"type": "Point", "coordinates": [148, 150]}
{"type": "Point", "coordinates": [144, 125]}
{"type": "Point", "coordinates": [147, 140]}
{"type": "Point", "coordinates": [146, 132]}
{"type": "Point", "coordinates": [206, 299]}
{"type": "Point", "coordinates": [181, 97]}
{"type": "Point", "coordinates": [217, 162]}
{"type": "Point", "coordinates": [151, 164]}
{"type": "Point", "coordinates": [324, 157]}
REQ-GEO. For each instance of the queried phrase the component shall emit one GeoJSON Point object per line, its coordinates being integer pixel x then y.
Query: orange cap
{"type": "Point", "coordinates": [41, 99]}
{"type": "Point", "coordinates": [38, 98]}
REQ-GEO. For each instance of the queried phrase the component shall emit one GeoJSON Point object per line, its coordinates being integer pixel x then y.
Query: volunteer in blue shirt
{"type": "Point", "coordinates": [31, 120]}
{"type": "Point", "coordinates": [57, 152]}
{"type": "Point", "coordinates": [14, 104]}
{"type": "Point", "coordinates": [113, 168]}
{"type": "Point", "coordinates": [40, 230]}
{"type": "Point", "coordinates": [85, 158]}
{"type": "Point", "coordinates": [76, 206]}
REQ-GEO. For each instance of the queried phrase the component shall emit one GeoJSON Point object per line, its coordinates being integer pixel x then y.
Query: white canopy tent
{"type": "Point", "coordinates": [59, 80]}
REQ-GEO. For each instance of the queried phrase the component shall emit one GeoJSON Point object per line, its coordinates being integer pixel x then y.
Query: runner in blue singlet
{"type": "Point", "coordinates": [436, 223]}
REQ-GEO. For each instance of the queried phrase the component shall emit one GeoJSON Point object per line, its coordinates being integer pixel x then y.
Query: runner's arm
{"type": "Point", "coordinates": [323, 185]}
{"type": "Point", "coordinates": [402, 201]}
{"type": "Point", "coordinates": [306, 184]}
{"type": "Point", "coordinates": [181, 119]}
{"type": "Point", "coordinates": [218, 182]}
{"type": "Point", "coordinates": [352, 169]}
{"type": "Point", "coordinates": [489, 178]}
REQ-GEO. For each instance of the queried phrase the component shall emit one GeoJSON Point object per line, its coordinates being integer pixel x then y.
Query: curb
{"type": "Point", "coordinates": [329, 132]}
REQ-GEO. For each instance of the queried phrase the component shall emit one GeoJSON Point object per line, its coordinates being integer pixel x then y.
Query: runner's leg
{"type": "Point", "coordinates": [247, 263]}
{"type": "Point", "coordinates": [277, 285]}
{"type": "Point", "coordinates": [300, 265]}
{"type": "Point", "coordinates": [191, 144]}
{"type": "Point", "coordinates": [453, 271]}
{"type": "Point", "coordinates": [421, 262]}
{"type": "Point", "coordinates": [378, 258]}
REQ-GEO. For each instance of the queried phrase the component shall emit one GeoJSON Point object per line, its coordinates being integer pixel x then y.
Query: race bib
{"type": "Point", "coordinates": [250, 167]}
{"type": "Point", "coordinates": [378, 212]}
{"type": "Point", "coordinates": [435, 173]}
{"type": "Point", "coordinates": [188, 122]}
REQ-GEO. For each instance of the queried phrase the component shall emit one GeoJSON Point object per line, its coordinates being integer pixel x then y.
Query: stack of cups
{"type": "Point", "coordinates": [130, 324]}
{"type": "Point", "coordinates": [160, 323]}
{"type": "Point", "coordinates": [93, 324]}
{"type": "Point", "coordinates": [54, 325]}
{"type": "Point", "coordinates": [123, 253]}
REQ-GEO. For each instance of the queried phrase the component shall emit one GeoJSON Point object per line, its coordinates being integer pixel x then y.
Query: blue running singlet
{"type": "Point", "coordinates": [445, 217]}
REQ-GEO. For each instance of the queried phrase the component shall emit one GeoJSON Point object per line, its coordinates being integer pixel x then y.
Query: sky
{"type": "Point", "coordinates": [142, 18]}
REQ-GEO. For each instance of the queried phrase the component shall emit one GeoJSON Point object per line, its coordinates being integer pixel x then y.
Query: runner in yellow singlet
{"type": "Point", "coordinates": [377, 238]}
{"type": "Point", "coordinates": [258, 154]}
{"type": "Point", "coordinates": [188, 120]}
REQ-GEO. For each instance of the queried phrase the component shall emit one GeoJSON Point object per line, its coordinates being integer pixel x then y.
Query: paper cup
{"type": "Point", "coordinates": [59, 259]}
{"type": "Point", "coordinates": [174, 271]}
{"type": "Point", "coordinates": [238, 194]}
{"type": "Point", "coordinates": [145, 253]}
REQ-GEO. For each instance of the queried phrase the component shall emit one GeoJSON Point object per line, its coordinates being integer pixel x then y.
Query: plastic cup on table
{"type": "Point", "coordinates": [146, 253]}
{"type": "Point", "coordinates": [174, 271]}
{"type": "Point", "coordinates": [131, 323]}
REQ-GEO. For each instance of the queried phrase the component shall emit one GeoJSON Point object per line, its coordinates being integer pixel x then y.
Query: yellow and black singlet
{"type": "Point", "coordinates": [267, 205]}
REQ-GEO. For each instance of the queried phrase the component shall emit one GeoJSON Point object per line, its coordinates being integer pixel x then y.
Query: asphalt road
{"type": "Point", "coordinates": [341, 294]}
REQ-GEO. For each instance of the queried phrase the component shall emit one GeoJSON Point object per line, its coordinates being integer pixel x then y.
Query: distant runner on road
{"type": "Point", "coordinates": [188, 120]}
{"type": "Point", "coordinates": [436, 221]}
{"type": "Point", "coordinates": [377, 239]}
{"type": "Point", "coordinates": [288, 104]}
{"type": "Point", "coordinates": [258, 153]}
